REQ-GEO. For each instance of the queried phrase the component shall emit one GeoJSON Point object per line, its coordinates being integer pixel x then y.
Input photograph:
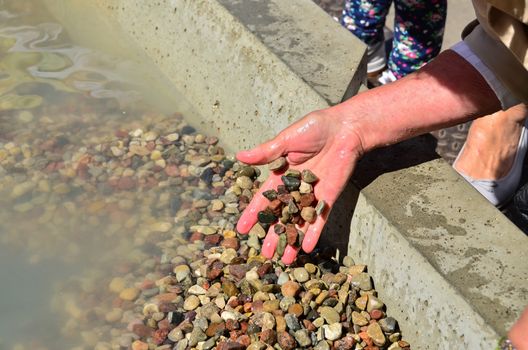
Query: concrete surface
{"type": "Point", "coordinates": [449, 266]}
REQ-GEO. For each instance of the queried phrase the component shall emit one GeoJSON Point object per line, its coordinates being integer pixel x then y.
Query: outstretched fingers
{"type": "Point", "coordinates": [258, 203]}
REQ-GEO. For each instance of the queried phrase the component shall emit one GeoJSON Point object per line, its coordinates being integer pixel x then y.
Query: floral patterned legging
{"type": "Point", "coordinates": [418, 29]}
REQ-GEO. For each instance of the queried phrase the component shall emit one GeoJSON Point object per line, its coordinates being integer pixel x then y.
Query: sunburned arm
{"type": "Point", "coordinates": [446, 92]}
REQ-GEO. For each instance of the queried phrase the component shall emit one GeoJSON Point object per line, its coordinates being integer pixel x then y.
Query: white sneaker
{"type": "Point", "coordinates": [387, 77]}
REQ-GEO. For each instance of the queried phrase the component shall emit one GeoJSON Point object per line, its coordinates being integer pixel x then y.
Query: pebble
{"type": "Point", "coordinates": [305, 188]}
{"type": "Point", "coordinates": [181, 272]}
{"type": "Point", "coordinates": [129, 294]}
{"type": "Point", "coordinates": [333, 331]}
{"type": "Point", "coordinates": [362, 280]}
{"type": "Point", "coordinates": [308, 177]}
{"type": "Point", "coordinates": [348, 261]}
{"type": "Point", "coordinates": [244, 182]}
{"type": "Point", "coordinates": [388, 324]}
{"type": "Point", "coordinates": [117, 284]}
{"type": "Point", "coordinates": [329, 314]}
{"type": "Point", "coordinates": [291, 183]}
{"type": "Point", "coordinates": [374, 331]}
{"type": "Point", "coordinates": [191, 303]}
{"type": "Point", "coordinates": [359, 319]}
{"type": "Point", "coordinates": [303, 338]}
{"type": "Point", "coordinates": [308, 214]}
{"type": "Point", "coordinates": [320, 207]}
{"type": "Point", "coordinates": [286, 341]}
{"type": "Point", "coordinates": [301, 275]}
{"type": "Point", "coordinates": [290, 289]}
{"type": "Point", "coordinates": [322, 345]}
{"type": "Point", "coordinates": [114, 315]}
{"type": "Point", "coordinates": [278, 164]}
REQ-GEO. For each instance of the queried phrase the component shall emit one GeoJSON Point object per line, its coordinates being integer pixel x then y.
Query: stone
{"type": "Point", "coordinates": [308, 214]}
{"type": "Point", "coordinates": [292, 207]}
{"type": "Point", "coordinates": [268, 336]}
{"type": "Point", "coordinates": [139, 345]}
{"type": "Point", "coordinates": [322, 345]}
{"type": "Point", "coordinates": [291, 183]}
{"type": "Point", "coordinates": [303, 338]}
{"type": "Point", "coordinates": [244, 182]}
{"type": "Point", "coordinates": [305, 188]}
{"type": "Point", "coordinates": [359, 319]}
{"type": "Point", "coordinates": [296, 309]}
{"type": "Point", "coordinates": [345, 343]}
{"type": "Point", "coordinates": [191, 303]}
{"type": "Point", "coordinates": [278, 164]}
{"type": "Point", "coordinates": [266, 217]}
{"type": "Point", "coordinates": [253, 241]}
{"type": "Point", "coordinates": [117, 284]}
{"type": "Point", "coordinates": [196, 290]}
{"type": "Point", "coordinates": [197, 335]}
{"type": "Point", "coordinates": [306, 199]}
{"type": "Point", "coordinates": [320, 207]}
{"type": "Point", "coordinates": [293, 173]}
{"type": "Point", "coordinates": [114, 315]}
{"type": "Point", "coordinates": [291, 234]}
{"type": "Point", "coordinates": [264, 320]}
{"type": "Point", "coordinates": [281, 244]}
{"type": "Point", "coordinates": [283, 278]}
{"type": "Point", "coordinates": [301, 275]}
{"type": "Point", "coordinates": [175, 335]}
{"type": "Point", "coordinates": [308, 176]}
{"type": "Point", "coordinates": [270, 194]}
{"type": "Point", "coordinates": [258, 345]}
{"type": "Point", "coordinates": [181, 272]}
{"type": "Point", "coordinates": [348, 261]}
{"type": "Point", "coordinates": [290, 289]}
{"type": "Point", "coordinates": [286, 341]}
{"type": "Point", "coordinates": [217, 205]}
{"type": "Point", "coordinates": [362, 280]}
{"type": "Point", "coordinates": [292, 322]}
{"type": "Point", "coordinates": [228, 255]}
{"type": "Point", "coordinates": [374, 304]}
{"type": "Point", "coordinates": [361, 302]}
{"type": "Point", "coordinates": [374, 331]}
{"type": "Point", "coordinates": [311, 268]}
{"type": "Point", "coordinates": [329, 314]}
{"type": "Point", "coordinates": [394, 346]}
{"type": "Point", "coordinates": [388, 324]}
{"type": "Point", "coordinates": [257, 230]}
{"type": "Point", "coordinates": [333, 331]}
{"type": "Point", "coordinates": [129, 294]}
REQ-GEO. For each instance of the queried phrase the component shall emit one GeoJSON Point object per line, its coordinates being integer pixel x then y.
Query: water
{"type": "Point", "coordinates": [88, 188]}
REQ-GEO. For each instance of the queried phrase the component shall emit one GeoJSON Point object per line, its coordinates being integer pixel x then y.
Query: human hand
{"type": "Point", "coordinates": [519, 332]}
{"type": "Point", "coordinates": [324, 142]}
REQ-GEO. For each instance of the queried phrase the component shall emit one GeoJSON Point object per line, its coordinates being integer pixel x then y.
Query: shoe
{"type": "Point", "coordinates": [499, 192]}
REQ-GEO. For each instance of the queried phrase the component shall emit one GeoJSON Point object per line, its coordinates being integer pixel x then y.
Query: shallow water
{"type": "Point", "coordinates": [68, 220]}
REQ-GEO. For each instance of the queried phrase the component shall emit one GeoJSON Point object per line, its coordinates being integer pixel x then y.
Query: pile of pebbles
{"type": "Point", "coordinates": [176, 274]}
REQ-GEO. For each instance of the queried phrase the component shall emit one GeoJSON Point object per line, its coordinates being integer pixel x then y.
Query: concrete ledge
{"type": "Point", "coordinates": [449, 266]}
{"type": "Point", "coordinates": [237, 82]}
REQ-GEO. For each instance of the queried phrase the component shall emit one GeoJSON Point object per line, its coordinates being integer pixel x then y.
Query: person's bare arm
{"type": "Point", "coordinates": [329, 142]}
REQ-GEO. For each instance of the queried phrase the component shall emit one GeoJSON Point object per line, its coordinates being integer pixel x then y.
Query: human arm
{"type": "Point", "coordinates": [329, 142]}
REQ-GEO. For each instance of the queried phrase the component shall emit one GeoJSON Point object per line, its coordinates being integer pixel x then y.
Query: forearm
{"type": "Point", "coordinates": [446, 92]}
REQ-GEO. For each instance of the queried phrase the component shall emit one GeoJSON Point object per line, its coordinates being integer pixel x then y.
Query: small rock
{"type": "Point", "coordinates": [362, 281]}
{"type": "Point", "coordinates": [308, 177]}
{"type": "Point", "coordinates": [348, 261]}
{"type": "Point", "coordinates": [286, 341]}
{"type": "Point", "coordinates": [301, 275]}
{"type": "Point", "coordinates": [320, 207]}
{"type": "Point", "coordinates": [305, 188]}
{"type": "Point", "coordinates": [359, 319]}
{"type": "Point", "coordinates": [290, 289]}
{"type": "Point", "coordinates": [196, 290]}
{"type": "Point", "coordinates": [388, 325]}
{"type": "Point", "coordinates": [291, 183]}
{"type": "Point", "coordinates": [374, 304]}
{"type": "Point", "coordinates": [129, 294]}
{"type": "Point", "coordinates": [322, 345]}
{"type": "Point", "coordinates": [329, 314]}
{"type": "Point", "coordinates": [258, 231]}
{"type": "Point", "coordinates": [308, 214]}
{"type": "Point", "coordinates": [278, 164]}
{"type": "Point", "coordinates": [244, 182]}
{"type": "Point", "coordinates": [191, 303]}
{"type": "Point", "coordinates": [374, 331]}
{"type": "Point", "coordinates": [333, 331]}
{"type": "Point", "coordinates": [217, 205]}
{"type": "Point", "coordinates": [303, 337]}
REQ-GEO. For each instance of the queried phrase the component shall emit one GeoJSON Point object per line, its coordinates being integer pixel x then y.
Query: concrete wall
{"type": "Point", "coordinates": [449, 266]}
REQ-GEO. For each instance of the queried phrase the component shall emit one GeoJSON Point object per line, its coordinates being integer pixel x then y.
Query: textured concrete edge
{"type": "Point", "coordinates": [465, 241]}
{"type": "Point", "coordinates": [432, 314]}
{"type": "Point", "coordinates": [319, 50]}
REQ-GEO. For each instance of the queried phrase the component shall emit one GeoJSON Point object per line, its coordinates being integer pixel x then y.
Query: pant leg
{"type": "Point", "coordinates": [365, 19]}
{"type": "Point", "coordinates": [418, 33]}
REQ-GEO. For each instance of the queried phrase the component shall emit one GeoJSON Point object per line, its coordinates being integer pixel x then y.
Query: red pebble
{"type": "Point", "coordinates": [264, 269]}
{"type": "Point", "coordinates": [141, 330]}
{"type": "Point", "coordinates": [376, 314]}
{"type": "Point", "coordinates": [126, 183]}
{"type": "Point", "coordinates": [231, 242]}
{"type": "Point", "coordinates": [196, 236]}
{"type": "Point", "coordinates": [244, 340]}
{"type": "Point", "coordinates": [268, 336]}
